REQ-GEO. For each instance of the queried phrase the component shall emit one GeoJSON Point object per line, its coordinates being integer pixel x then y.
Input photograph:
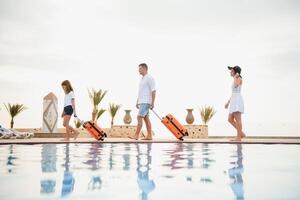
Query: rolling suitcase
{"type": "Point", "coordinates": [178, 130]}
{"type": "Point", "coordinates": [93, 129]}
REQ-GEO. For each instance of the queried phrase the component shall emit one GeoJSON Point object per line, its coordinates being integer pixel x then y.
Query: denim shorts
{"type": "Point", "coordinates": [144, 109]}
{"type": "Point", "coordinates": [68, 110]}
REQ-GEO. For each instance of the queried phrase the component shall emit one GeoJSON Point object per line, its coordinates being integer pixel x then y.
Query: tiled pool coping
{"type": "Point", "coordinates": [221, 140]}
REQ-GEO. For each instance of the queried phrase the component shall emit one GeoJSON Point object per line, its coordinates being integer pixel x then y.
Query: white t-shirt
{"type": "Point", "coordinates": [146, 87]}
{"type": "Point", "coordinates": [68, 98]}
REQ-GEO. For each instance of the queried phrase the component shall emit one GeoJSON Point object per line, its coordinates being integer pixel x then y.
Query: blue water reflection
{"type": "Point", "coordinates": [48, 165]}
{"type": "Point", "coordinates": [68, 179]}
{"type": "Point", "coordinates": [11, 159]}
{"type": "Point", "coordinates": [235, 173]}
{"type": "Point", "coordinates": [148, 171]}
{"type": "Point", "coordinates": [146, 185]}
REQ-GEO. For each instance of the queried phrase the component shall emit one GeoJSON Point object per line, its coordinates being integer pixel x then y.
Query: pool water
{"type": "Point", "coordinates": [149, 171]}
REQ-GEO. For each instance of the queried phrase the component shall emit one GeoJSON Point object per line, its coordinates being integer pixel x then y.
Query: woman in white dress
{"type": "Point", "coordinates": [236, 103]}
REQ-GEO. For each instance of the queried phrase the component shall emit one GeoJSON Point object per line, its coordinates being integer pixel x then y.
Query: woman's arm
{"type": "Point", "coordinates": [73, 106]}
{"type": "Point", "coordinates": [227, 104]}
{"type": "Point", "coordinates": [237, 80]}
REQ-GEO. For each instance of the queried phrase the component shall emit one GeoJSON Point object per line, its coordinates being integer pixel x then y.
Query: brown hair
{"type": "Point", "coordinates": [144, 65]}
{"type": "Point", "coordinates": [68, 86]}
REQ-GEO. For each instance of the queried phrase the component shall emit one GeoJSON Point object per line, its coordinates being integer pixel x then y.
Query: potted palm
{"type": "Point", "coordinates": [96, 97]}
{"type": "Point", "coordinates": [14, 110]}
{"type": "Point", "coordinates": [99, 113]}
{"type": "Point", "coordinates": [77, 123]}
{"type": "Point", "coordinates": [113, 109]}
{"type": "Point", "coordinates": [207, 112]}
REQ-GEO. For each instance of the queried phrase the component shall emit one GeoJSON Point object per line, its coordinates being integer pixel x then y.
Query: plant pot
{"type": "Point", "coordinates": [127, 118]}
{"type": "Point", "coordinates": [190, 117]}
{"type": "Point", "coordinates": [94, 116]}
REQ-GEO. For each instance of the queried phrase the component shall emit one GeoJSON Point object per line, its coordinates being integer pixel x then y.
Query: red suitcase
{"type": "Point", "coordinates": [178, 130]}
{"type": "Point", "coordinates": [93, 129]}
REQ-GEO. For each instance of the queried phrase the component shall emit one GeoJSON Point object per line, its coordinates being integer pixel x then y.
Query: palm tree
{"type": "Point", "coordinates": [96, 97]}
{"type": "Point", "coordinates": [207, 112]}
{"type": "Point", "coordinates": [100, 112]}
{"type": "Point", "coordinates": [14, 110]}
{"type": "Point", "coordinates": [113, 109]}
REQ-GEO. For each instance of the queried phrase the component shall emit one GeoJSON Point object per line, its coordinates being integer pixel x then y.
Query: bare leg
{"type": "Point", "coordinates": [76, 133]}
{"type": "Point", "coordinates": [238, 119]}
{"type": "Point", "coordinates": [232, 121]}
{"type": "Point", "coordinates": [138, 128]}
{"type": "Point", "coordinates": [69, 128]}
{"type": "Point", "coordinates": [66, 125]}
{"type": "Point", "coordinates": [149, 128]}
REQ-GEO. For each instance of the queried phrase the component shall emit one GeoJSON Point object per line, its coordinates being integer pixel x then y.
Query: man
{"type": "Point", "coordinates": [145, 101]}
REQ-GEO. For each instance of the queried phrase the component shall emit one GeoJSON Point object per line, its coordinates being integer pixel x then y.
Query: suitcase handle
{"type": "Point", "coordinates": [77, 118]}
{"type": "Point", "coordinates": [157, 115]}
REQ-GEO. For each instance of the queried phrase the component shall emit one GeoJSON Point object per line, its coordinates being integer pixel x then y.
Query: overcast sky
{"type": "Point", "coordinates": [186, 43]}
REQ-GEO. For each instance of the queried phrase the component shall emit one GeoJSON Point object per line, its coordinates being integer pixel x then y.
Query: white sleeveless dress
{"type": "Point", "coordinates": [236, 101]}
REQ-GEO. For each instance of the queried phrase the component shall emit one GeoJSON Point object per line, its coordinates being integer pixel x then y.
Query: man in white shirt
{"type": "Point", "coordinates": [145, 101]}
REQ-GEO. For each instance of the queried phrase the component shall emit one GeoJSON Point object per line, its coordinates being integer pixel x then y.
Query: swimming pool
{"type": "Point", "coordinates": [149, 171]}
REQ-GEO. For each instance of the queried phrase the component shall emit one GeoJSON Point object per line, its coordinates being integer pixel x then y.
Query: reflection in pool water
{"type": "Point", "coordinates": [68, 179]}
{"type": "Point", "coordinates": [149, 171]}
{"type": "Point", "coordinates": [48, 165]}
{"type": "Point", "coordinates": [235, 174]}
{"type": "Point", "coordinates": [146, 185]}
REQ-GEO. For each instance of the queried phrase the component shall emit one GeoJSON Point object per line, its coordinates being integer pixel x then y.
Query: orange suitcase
{"type": "Point", "coordinates": [178, 130]}
{"type": "Point", "coordinates": [93, 129]}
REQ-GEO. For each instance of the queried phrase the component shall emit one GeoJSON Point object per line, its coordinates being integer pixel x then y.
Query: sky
{"type": "Point", "coordinates": [187, 45]}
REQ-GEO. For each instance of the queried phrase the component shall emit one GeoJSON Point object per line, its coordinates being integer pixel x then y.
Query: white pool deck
{"type": "Point", "coordinates": [220, 140]}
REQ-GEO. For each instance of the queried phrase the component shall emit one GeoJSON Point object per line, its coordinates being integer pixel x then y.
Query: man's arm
{"type": "Point", "coordinates": [137, 104]}
{"type": "Point", "coordinates": [153, 99]}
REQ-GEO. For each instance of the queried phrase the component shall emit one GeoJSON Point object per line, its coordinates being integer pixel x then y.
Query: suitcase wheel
{"type": "Point", "coordinates": [186, 134]}
{"type": "Point", "coordinates": [105, 135]}
{"type": "Point", "coordinates": [181, 139]}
